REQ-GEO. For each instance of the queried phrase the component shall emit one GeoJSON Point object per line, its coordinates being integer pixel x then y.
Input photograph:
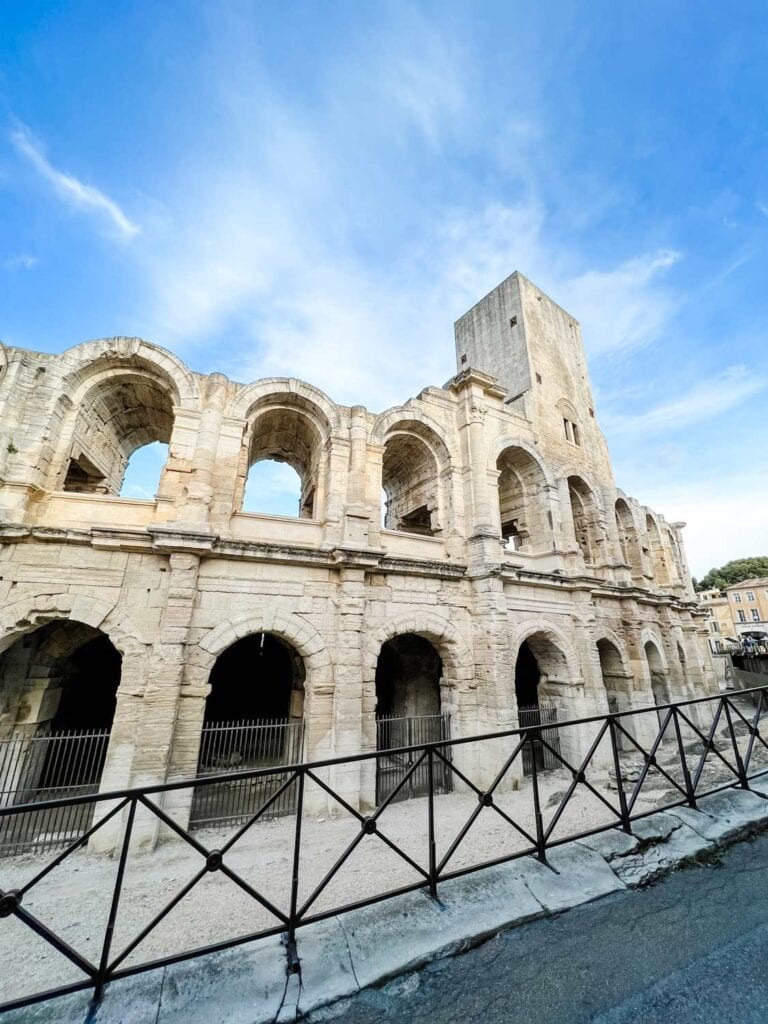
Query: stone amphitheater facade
{"type": "Point", "coordinates": [501, 529]}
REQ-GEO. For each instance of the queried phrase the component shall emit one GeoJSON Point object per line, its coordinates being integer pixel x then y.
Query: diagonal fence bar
{"type": "Point", "coordinates": [286, 782]}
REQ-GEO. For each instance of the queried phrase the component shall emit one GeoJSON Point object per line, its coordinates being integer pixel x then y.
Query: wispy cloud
{"type": "Point", "coordinates": [624, 307]}
{"type": "Point", "coordinates": [703, 400]}
{"type": "Point", "coordinates": [71, 190]}
{"type": "Point", "coordinates": [23, 261]}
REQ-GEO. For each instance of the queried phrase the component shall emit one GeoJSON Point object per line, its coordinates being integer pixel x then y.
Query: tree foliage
{"type": "Point", "coordinates": [734, 572]}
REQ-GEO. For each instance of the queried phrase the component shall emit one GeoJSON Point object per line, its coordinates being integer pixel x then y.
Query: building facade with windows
{"type": "Point", "coordinates": [502, 568]}
{"type": "Point", "coordinates": [748, 606]}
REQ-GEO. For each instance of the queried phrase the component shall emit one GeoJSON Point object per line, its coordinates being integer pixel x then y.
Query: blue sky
{"type": "Point", "coordinates": [320, 189]}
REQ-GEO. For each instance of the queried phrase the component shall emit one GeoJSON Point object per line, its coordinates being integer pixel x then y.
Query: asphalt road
{"type": "Point", "coordinates": [693, 948]}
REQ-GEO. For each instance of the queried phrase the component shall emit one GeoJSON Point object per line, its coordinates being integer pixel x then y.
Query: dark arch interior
{"type": "Point", "coordinates": [68, 723]}
{"type": "Point", "coordinates": [89, 694]}
{"type": "Point", "coordinates": [527, 676]}
{"type": "Point", "coordinates": [258, 677]}
{"type": "Point", "coordinates": [408, 675]}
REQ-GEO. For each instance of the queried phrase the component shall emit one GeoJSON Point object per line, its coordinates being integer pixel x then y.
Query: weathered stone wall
{"type": "Point", "coordinates": [176, 581]}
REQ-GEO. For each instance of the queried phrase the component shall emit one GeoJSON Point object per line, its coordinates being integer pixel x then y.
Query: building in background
{"type": "Point", "coordinates": [748, 606]}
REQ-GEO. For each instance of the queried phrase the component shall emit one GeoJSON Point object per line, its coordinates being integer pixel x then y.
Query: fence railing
{"type": "Point", "coordinates": [36, 769]}
{"type": "Point", "coordinates": [700, 747]}
{"type": "Point", "coordinates": [392, 768]}
{"type": "Point", "coordinates": [228, 747]}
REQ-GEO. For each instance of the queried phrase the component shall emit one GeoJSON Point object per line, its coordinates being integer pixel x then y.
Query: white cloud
{"type": "Point", "coordinates": [21, 262]}
{"type": "Point", "coordinates": [702, 401]}
{"type": "Point", "coordinates": [624, 307]}
{"type": "Point", "coordinates": [69, 189]}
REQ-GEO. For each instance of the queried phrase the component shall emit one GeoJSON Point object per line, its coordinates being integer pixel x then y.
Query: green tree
{"type": "Point", "coordinates": [734, 572]}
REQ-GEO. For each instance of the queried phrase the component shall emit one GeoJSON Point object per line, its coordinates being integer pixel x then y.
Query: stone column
{"type": "Point", "coordinates": [162, 695]}
{"type": "Point", "coordinates": [348, 698]}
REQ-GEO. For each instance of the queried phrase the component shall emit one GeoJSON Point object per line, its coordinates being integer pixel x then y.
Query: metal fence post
{"type": "Point", "coordinates": [431, 825]}
{"type": "Point", "coordinates": [103, 972]}
{"type": "Point", "coordinates": [625, 819]}
{"type": "Point", "coordinates": [689, 790]}
{"type": "Point", "coordinates": [541, 846]}
{"type": "Point", "coordinates": [293, 957]}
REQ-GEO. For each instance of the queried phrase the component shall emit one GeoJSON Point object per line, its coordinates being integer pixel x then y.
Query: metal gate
{"type": "Point", "coordinates": [545, 759]}
{"type": "Point", "coordinates": [228, 747]}
{"type": "Point", "coordinates": [392, 732]}
{"type": "Point", "coordinates": [47, 766]}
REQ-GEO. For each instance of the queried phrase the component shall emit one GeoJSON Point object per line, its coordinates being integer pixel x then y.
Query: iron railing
{"type": "Point", "coordinates": [392, 768]}
{"type": "Point", "coordinates": [36, 769]}
{"type": "Point", "coordinates": [702, 747]}
{"type": "Point", "coordinates": [546, 755]}
{"type": "Point", "coordinates": [235, 746]}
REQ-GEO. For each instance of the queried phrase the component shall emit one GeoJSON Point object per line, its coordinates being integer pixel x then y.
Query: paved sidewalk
{"type": "Point", "coordinates": [689, 950]}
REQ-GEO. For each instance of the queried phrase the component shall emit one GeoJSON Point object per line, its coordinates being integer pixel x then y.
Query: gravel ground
{"type": "Point", "coordinates": [74, 899]}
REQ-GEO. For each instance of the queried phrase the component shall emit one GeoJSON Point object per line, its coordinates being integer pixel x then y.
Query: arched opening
{"type": "Point", "coordinates": [617, 686]}
{"type": "Point", "coordinates": [273, 488]}
{"type": "Point", "coordinates": [411, 483]}
{"type": "Point", "coordinates": [681, 658]}
{"type": "Point", "coordinates": [253, 719]}
{"type": "Point", "coordinates": [526, 524]}
{"type": "Point", "coordinates": [408, 712]}
{"type": "Point", "coordinates": [630, 549]}
{"type": "Point", "coordinates": [657, 553]}
{"type": "Point", "coordinates": [283, 434]}
{"type": "Point", "coordinates": [143, 471]}
{"type": "Point", "coordinates": [585, 521]}
{"type": "Point", "coordinates": [121, 414]}
{"type": "Point", "coordinates": [58, 690]}
{"type": "Point", "coordinates": [659, 681]}
{"type": "Point", "coordinates": [541, 671]}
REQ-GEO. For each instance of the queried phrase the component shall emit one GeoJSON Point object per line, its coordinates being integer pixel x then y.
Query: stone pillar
{"type": "Point", "coordinates": [163, 691]}
{"type": "Point", "coordinates": [357, 511]}
{"type": "Point", "coordinates": [348, 697]}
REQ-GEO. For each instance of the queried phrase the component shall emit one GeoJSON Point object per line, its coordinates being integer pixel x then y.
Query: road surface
{"type": "Point", "coordinates": [693, 948]}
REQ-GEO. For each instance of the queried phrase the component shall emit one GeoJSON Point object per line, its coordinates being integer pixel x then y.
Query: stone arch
{"type": "Point", "coordinates": [613, 638]}
{"type": "Point", "coordinates": [555, 657]}
{"type": "Point", "coordinates": [290, 422]}
{"type": "Point", "coordinates": [456, 654]}
{"type": "Point", "coordinates": [629, 541]}
{"type": "Point", "coordinates": [420, 423]}
{"type": "Point", "coordinates": [656, 549]}
{"type": "Point", "coordinates": [657, 668]}
{"type": "Point", "coordinates": [309, 645]}
{"type": "Point", "coordinates": [249, 397]}
{"type": "Point", "coordinates": [585, 515]}
{"type": "Point", "coordinates": [82, 361]}
{"type": "Point", "coordinates": [121, 395]}
{"type": "Point", "coordinates": [416, 474]}
{"type": "Point", "coordinates": [523, 484]}
{"type": "Point", "coordinates": [27, 614]}
{"type": "Point", "coordinates": [505, 441]}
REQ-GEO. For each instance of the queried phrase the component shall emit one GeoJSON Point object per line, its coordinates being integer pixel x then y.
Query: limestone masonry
{"type": "Point", "coordinates": [501, 567]}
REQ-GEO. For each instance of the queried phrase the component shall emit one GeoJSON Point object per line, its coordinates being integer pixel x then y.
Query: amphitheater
{"type": "Point", "coordinates": [455, 563]}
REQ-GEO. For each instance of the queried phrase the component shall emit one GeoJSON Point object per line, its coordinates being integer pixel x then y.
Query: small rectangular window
{"type": "Point", "coordinates": [567, 427]}
{"type": "Point", "coordinates": [755, 615]}
{"type": "Point", "coordinates": [737, 598]}
{"type": "Point", "coordinates": [751, 596]}
{"type": "Point", "coordinates": [716, 627]}
{"type": "Point", "coordinates": [742, 615]}
{"type": "Point", "coordinates": [576, 438]}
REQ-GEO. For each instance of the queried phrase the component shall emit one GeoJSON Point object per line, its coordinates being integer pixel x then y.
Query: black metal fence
{"type": "Point", "coordinates": [701, 747]}
{"type": "Point", "coordinates": [395, 767]}
{"type": "Point", "coordinates": [36, 769]}
{"type": "Point", "coordinates": [228, 747]}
